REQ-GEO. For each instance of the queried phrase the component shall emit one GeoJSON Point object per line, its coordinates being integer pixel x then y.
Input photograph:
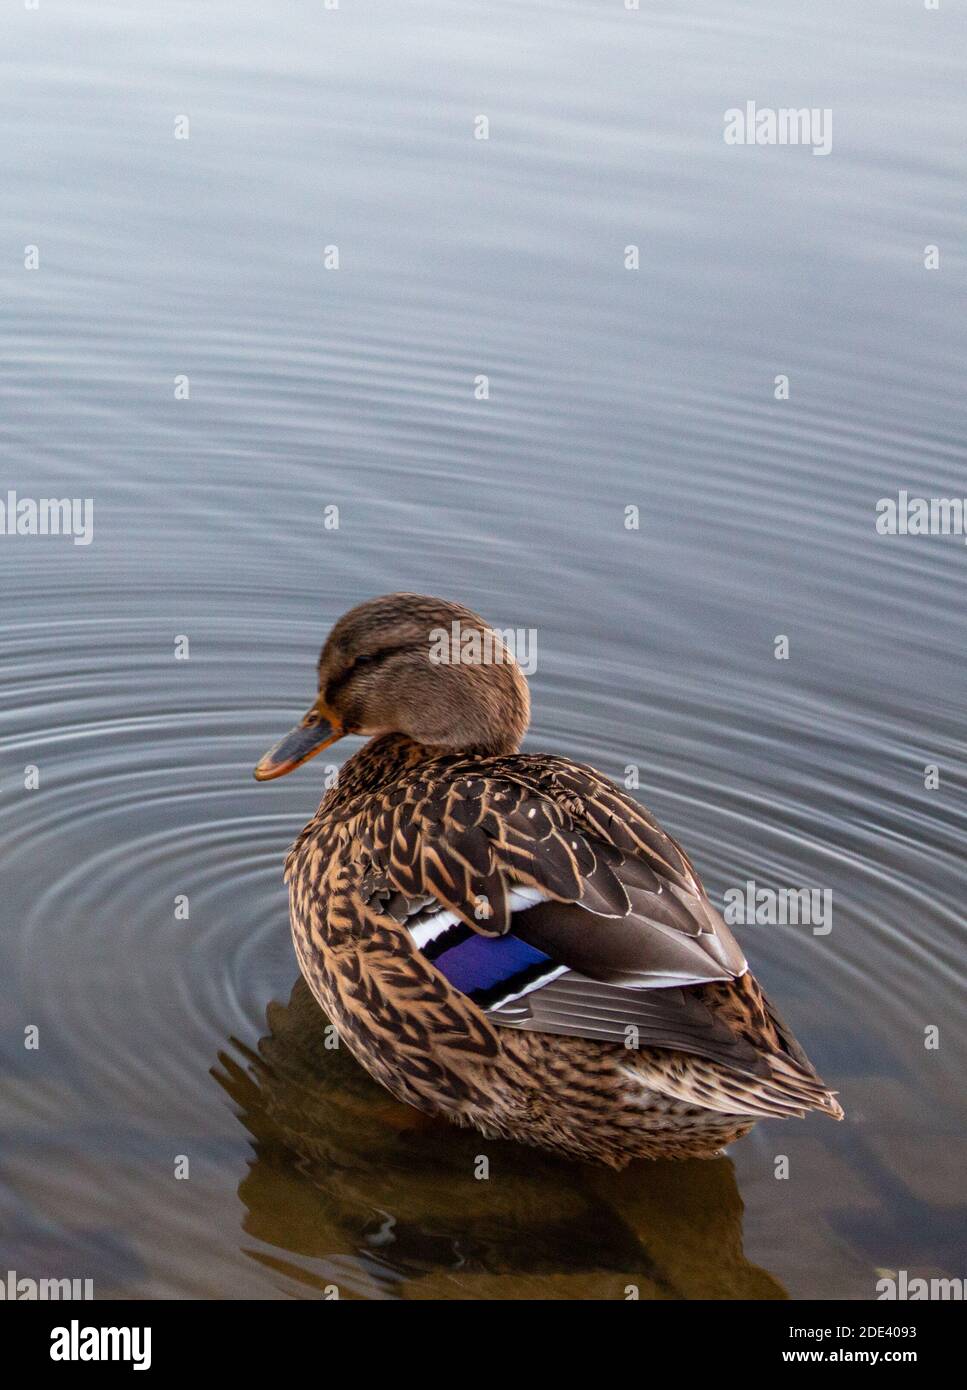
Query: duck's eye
{"type": "Point", "coordinates": [366, 659]}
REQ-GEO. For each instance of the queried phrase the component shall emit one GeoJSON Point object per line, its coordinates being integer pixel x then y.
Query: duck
{"type": "Point", "coordinates": [507, 939]}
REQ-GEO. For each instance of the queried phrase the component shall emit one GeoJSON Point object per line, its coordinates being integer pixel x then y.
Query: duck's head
{"type": "Point", "coordinates": [412, 665]}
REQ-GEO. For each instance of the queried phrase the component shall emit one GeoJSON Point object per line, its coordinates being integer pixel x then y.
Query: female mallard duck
{"type": "Point", "coordinates": [506, 938]}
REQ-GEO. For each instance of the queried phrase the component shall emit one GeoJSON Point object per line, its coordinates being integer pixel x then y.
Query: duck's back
{"type": "Point", "coordinates": [498, 937]}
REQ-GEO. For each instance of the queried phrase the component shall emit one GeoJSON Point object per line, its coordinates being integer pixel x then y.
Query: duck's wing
{"type": "Point", "coordinates": [556, 903]}
{"type": "Point", "coordinates": [535, 976]}
{"type": "Point", "coordinates": [527, 868]}
{"type": "Point", "coordinates": [513, 832]}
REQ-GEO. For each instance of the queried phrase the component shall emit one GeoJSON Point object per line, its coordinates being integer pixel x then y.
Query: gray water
{"type": "Point", "coordinates": [312, 388]}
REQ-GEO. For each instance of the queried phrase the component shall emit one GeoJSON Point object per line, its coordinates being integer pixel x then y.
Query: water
{"type": "Point", "coordinates": [609, 388]}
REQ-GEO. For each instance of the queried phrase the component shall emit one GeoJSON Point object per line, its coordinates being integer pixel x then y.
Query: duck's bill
{"type": "Point", "coordinates": [299, 745]}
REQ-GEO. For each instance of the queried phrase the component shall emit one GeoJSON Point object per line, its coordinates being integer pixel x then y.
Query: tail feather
{"type": "Point", "coordinates": [715, 1087]}
{"type": "Point", "coordinates": [783, 1082]}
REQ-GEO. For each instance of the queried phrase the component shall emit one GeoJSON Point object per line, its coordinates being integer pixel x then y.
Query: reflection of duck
{"type": "Point", "coordinates": [507, 939]}
{"type": "Point", "coordinates": [361, 1191]}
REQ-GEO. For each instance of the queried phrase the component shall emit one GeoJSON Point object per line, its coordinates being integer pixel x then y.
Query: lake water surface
{"type": "Point", "coordinates": [311, 388]}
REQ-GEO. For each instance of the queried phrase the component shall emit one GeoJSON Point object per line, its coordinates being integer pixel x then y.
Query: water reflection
{"type": "Point", "coordinates": [366, 1194]}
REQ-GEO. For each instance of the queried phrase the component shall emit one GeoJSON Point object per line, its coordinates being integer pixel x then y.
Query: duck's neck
{"type": "Point", "coordinates": [376, 765]}
{"type": "Point", "coordinates": [381, 762]}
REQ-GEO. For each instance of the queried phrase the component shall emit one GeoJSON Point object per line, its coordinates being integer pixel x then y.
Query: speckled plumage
{"type": "Point", "coordinates": [419, 833]}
